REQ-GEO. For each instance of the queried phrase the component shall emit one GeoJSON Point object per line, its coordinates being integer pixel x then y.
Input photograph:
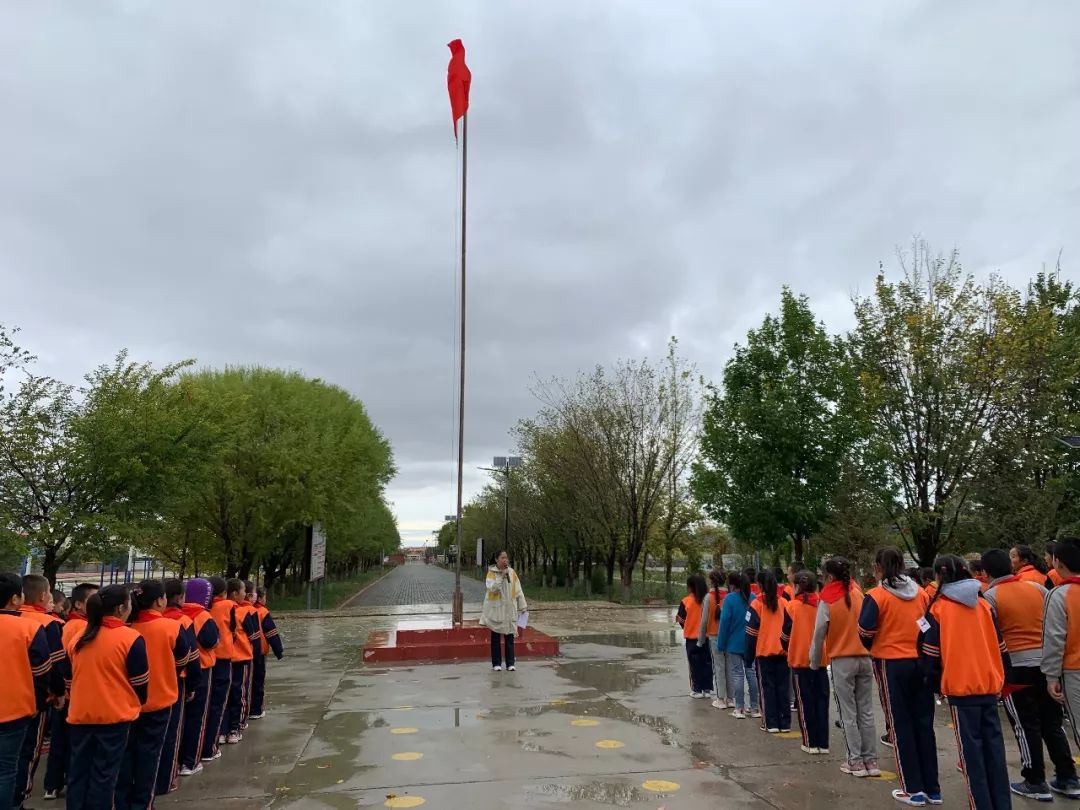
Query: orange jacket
{"type": "Point", "coordinates": [799, 630]}
{"type": "Point", "coordinates": [889, 623]}
{"type": "Point", "coordinates": [223, 611]}
{"type": "Point", "coordinates": [248, 637]}
{"type": "Point", "coordinates": [837, 625]}
{"type": "Point", "coordinates": [168, 651]}
{"type": "Point", "coordinates": [690, 614]}
{"type": "Point", "coordinates": [764, 629]}
{"type": "Point", "coordinates": [54, 637]}
{"type": "Point", "coordinates": [1061, 630]}
{"type": "Point", "coordinates": [27, 661]}
{"type": "Point", "coordinates": [1018, 605]}
{"type": "Point", "coordinates": [109, 676]}
{"type": "Point", "coordinates": [73, 627]}
{"type": "Point", "coordinates": [207, 634]}
{"type": "Point", "coordinates": [962, 643]}
{"type": "Point", "coordinates": [1029, 573]}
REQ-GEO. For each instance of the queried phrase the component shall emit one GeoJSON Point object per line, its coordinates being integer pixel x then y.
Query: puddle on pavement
{"type": "Point", "coordinates": [609, 676]}
{"type": "Point", "coordinates": [647, 640]}
{"type": "Point", "coordinates": [610, 793]}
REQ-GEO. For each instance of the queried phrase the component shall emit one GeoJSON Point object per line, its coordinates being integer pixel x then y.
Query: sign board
{"type": "Point", "coordinates": [318, 553]}
{"type": "Point", "coordinates": [480, 551]}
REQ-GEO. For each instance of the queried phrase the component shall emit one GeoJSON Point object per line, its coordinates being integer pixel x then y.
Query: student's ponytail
{"type": "Point", "coordinates": [769, 588]}
{"type": "Point", "coordinates": [144, 595]}
{"type": "Point", "coordinates": [805, 584]}
{"type": "Point", "coordinates": [840, 570]}
{"type": "Point", "coordinates": [99, 605]}
{"type": "Point", "coordinates": [949, 568]}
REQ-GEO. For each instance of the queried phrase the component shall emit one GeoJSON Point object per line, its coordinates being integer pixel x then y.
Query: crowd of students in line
{"type": "Point", "coordinates": [133, 687]}
{"type": "Point", "coordinates": [1002, 629]}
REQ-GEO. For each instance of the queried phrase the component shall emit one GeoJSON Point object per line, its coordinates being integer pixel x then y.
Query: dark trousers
{"type": "Point", "coordinates": [195, 710]}
{"type": "Point", "coordinates": [700, 660]}
{"type": "Point", "coordinates": [812, 700]}
{"type": "Point", "coordinates": [249, 685]}
{"type": "Point", "coordinates": [773, 675]}
{"type": "Point", "coordinates": [56, 767]}
{"type": "Point", "coordinates": [170, 749]}
{"type": "Point", "coordinates": [238, 695]}
{"type": "Point", "coordinates": [909, 711]}
{"type": "Point", "coordinates": [138, 773]}
{"type": "Point", "coordinates": [1037, 718]}
{"type": "Point", "coordinates": [12, 734]}
{"type": "Point", "coordinates": [29, 756]}
{"type": "Point", "coordinates": [220, 683]}
{"type": "Point", "coordinates": [258, 684]}
{"type": "Point", "coordinates": [982, 751]}
{"type": "Point", "coordinates": [496, 649]}
{"type": "Point", "coordinates": [97, 754]}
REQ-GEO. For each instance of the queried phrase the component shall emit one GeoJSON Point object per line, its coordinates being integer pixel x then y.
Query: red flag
{"type": "Point", "coordinates": [458, 80]}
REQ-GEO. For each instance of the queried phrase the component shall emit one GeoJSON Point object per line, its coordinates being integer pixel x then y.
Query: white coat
{"type": "Point", "coordinates": [503, 602]}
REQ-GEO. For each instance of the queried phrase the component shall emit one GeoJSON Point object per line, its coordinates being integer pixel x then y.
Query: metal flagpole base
{"type": "Point", "coordinates": [459, 608]}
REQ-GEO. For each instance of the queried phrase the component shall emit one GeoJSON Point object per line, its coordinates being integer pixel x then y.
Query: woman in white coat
{"type": "Point", "coordinates": [503, 604]}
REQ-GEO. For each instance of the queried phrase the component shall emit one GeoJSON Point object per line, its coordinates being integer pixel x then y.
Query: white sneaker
{"type": "Point", "coordinates": [496, 669]}
{"type": "Point", "coordinates": [773, 730]}
{"type": "Point", "coordinates": [755, 714]}
{"type": "Point", "coordinates": [511, 668]}
{"type": "Point", "coordinates": [738, 715]}
{"type": "Point", "coordinates": [233, 738]}
{"type": "Point", "coordinates": [186, 771]}
{"type": "Point", "coordinates": [697, 695]}
{"type": "Point", "coordinates": [258, 716]}
{"type": "Point", "coordinates": [730, 704]}
{"type": "Point", "coordinates": [718, 704]}
{"type": "Point", "coordinates": [221, 739]}
{"type": "Point", "coordinates": [212, 757]}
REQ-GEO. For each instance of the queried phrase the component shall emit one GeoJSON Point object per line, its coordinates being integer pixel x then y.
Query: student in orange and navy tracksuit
{"type": "Point", "coordinates": [966, 660]}
{"type": "Point", "coordinates": [27, 661]}
{"type": "Point", "coordinates": [271, 640]}
{"type": "Point", "coordinates": [197, 598]}
{"type": "Point", "coordinates": [1026, 565]}
{"type": "Point", "coordinates": [689, 618]}
{"type": "Point", "coordinates": [1061, 643]}
{"type": "Point", "coordinates": [764, 628]}
{"type": "Point", "coordinates": [1035, 717]}
{"type": "Point", "coordinates": [811, 685]}
{"type": "Point", "coordinates": [257, 662]}
{"type": "Point", "coordinates": [168, 652]}
{"type": "Point", "coordinates": [889, 629]}
{"type": "Point", "coordinates": [37, 602]}
{"type": "Point", "coordinates": [59, 745]}
{"type": "Point", "coordinates": [223, 611]}
{"type": "Point", "coordinates": [169, 764]}
{"type": "Point", "coordinates": [851, 668]}
{"type": "Point", "coordinates": [109, 675]}
{"type": "Point", "coordinates": [245, 636]}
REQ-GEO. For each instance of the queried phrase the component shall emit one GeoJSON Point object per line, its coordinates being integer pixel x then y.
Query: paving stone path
{"type": "Point", "coordinates": [418, 584]}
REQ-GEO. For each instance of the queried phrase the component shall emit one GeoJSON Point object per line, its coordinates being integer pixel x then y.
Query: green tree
{"type": "Point", "coordinates": [776, 434]}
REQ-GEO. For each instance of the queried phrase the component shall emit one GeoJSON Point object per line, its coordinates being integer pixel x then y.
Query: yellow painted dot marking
{"type": "Point", "coordinates": [660, 786]}
{"type": "Point", "coordinates": [610, 744]}
{"type": "Point", "coordinates": [403, 708]}
{"type": "Point", "coordinates": [886, 776]}
{"type": "Point", "coordinates": [1076, 759]}
{"type": "Point", "coordinates": [404, 801]}
{"type": "Point", "coordinates": [405, 730]}
{"type": "Point", "coordinates": [584, 722]}
{"type": "Point", "coordinates": [788, 735]}
{"type": "Point", "coordinates": [408, 756]}
{"type": "Point", "coordinates": [559, 702]}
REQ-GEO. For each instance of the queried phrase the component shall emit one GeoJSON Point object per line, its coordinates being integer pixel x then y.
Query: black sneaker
{"type": "Point", "coordinates": [1066, 787]}
{"type": "Point", "coordinates": [887, 740]}
{"type": "Point", "coordinates": [1030, 790]}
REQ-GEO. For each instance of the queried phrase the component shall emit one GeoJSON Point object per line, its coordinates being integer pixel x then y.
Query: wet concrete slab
{"type": "Point", "coordinates": [607, 724]}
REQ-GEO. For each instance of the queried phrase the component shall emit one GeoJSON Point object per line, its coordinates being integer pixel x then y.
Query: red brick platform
{"type": "Point", "coordinates": [438, 641]}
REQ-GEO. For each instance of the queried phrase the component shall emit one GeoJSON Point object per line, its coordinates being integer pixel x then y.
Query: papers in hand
{"type": "Point", "coordinates": [523, 620]}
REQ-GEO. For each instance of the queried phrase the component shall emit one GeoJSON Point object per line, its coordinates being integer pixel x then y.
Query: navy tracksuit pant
{"type": "Point", "coordinates": [195, 710]}
{"type": "Point", "coordinates": [138, 773]}
{"type": "Point", "coordinates": [170, 750]}
{"type": "Point", "coordinates": [12, 734]}
{"type": "Point", "coordinates": [97, 753]}
{"type": "Point", "coordinates": [982, 751]}
{"type": "Point", "coordinates": [29, 756]}
{"type": "Point", "coordinates": [700, 661]}
{"type": "Point", "coordinates": [56, 768]}
{"type": "Point", "coordinates": [774, 678]}
{"type": "Point", "coordinates": [908, 704]}
{"type": "Point", "coordinates": [258, 684]}
{"type": "Point", "coordinates": [220, 682]}
{"type": "Point", "coordinates": [1037, 718]}
{"type": "Point", "coordinates": [812, 701]}
{"type": "Point", "coordinates": [238, 696]}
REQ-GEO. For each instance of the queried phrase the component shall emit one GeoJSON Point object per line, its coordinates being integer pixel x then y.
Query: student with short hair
{"type": "Point", "coordinates": [197, 596]}
{"type": "Point", "coordinates": [966, 658]}
{"type": "Point", "coordinates": [56, 766]}
{"type": "Point", "coordinates": [889, 629]}
{"type": "Point", "coordinates": [169, 764]}
{"type": "Point", "coordinates": [36, 606]}
{"type": "Point", "coordinates": [1036, 718]}
{"type": "Point", "coordinates": [223, 611]}
{"type": "Point", "coordinates": [271, 640]}
{"type": "Point", "coordinates": [244, 633]}
{"type": "Point", "coordinates": [811, 685]}
{"type": "Point", "coordinates": [27, 661]}
{"type": "Point", "coordinates": [852, 670]}
{"type": "Point", "coordinates": [254, 630]}
{"type": "Point", "coordinates": [1061, 641]}
{"type": "Point", "coordinates": [765, 649]}
{"type": "Point", "coordinates": [109, 677]}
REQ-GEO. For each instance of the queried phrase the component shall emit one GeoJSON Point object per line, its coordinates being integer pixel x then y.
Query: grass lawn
{"type": "Point", "coordinates": [334, 592]}
{"type": "Point", "coordinates": [654, 588]}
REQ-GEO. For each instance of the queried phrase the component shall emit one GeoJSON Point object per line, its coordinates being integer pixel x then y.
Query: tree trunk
{"type": "Point", "coordinates": [611, 564]}
{"type": "Point", "coordinates": [50, 565]}
{"type": "Point", "coordinates": [798, 543]}
{"type": "Point", "coordinates": [627, 583]}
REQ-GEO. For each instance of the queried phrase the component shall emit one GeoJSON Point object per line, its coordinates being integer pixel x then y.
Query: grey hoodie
{"type": "Point", "coordinates": [966, 591]}
{"type": "Point", "coordinates": [905, 588]}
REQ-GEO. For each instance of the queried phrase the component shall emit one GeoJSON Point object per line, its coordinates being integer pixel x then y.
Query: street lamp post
{"type": "Point", "coordinates": [504, 464]}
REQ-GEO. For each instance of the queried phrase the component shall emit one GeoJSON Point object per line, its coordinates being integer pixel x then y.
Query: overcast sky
{"type": "Point", "coordinates": [275, 183]}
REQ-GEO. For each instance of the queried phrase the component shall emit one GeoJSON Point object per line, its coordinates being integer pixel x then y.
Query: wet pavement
{"type": "Point", "coordinates": [608, 724]}
{"type": "Point", "coordinates": [418, 584]}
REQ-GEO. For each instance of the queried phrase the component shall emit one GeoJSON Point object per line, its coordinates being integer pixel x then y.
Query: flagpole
{"type": "Point", "coordinates": [458, 607]}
